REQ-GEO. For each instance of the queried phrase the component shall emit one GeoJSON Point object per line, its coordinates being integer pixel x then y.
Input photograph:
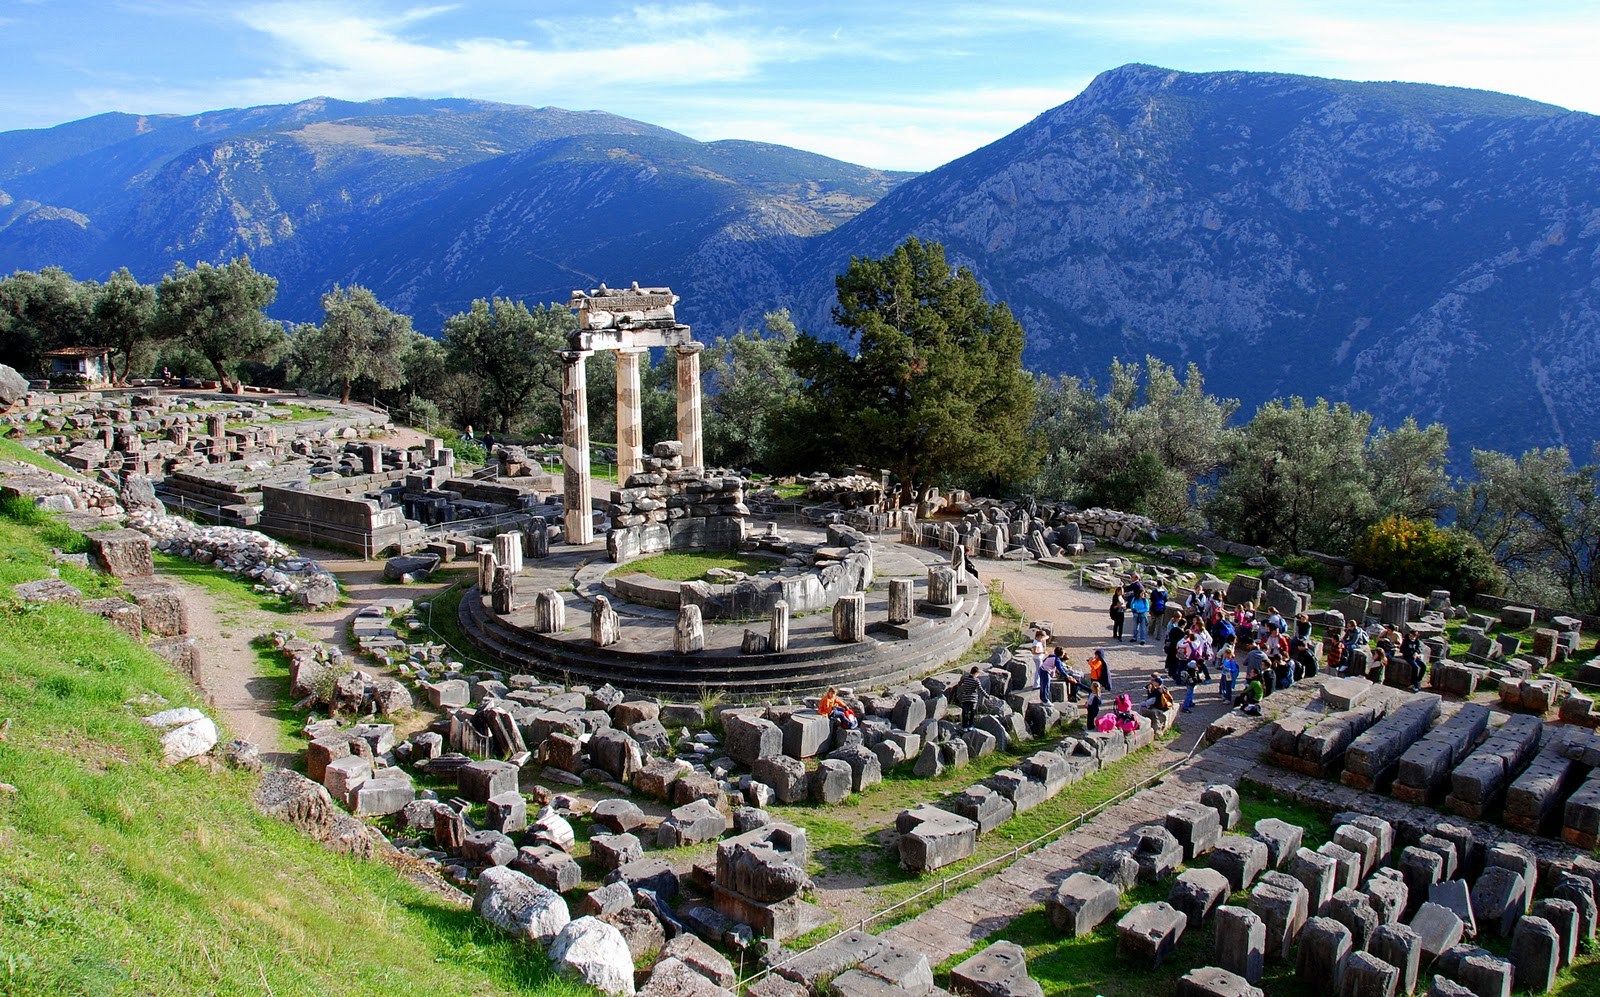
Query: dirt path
{"type": "Point", "coordinates": [229, 668]}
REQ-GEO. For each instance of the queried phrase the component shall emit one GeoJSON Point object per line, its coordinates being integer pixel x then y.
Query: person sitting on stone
{"type": "Point", "coordinates": [1267, 675]}
{"type": "Point", "coordinates": [1250, 700]}
{"type": "Point", "coordinates": [834, 708]}
{"type": "Point", "coordinates": [968, 692]}
{"type": "Point", "coordinates": [1305, 659]}
{"type": "Point", "coordinates": [1302, 627]}
{"type": "Point", "coordinates": [1153, 690]}
{"type": "Point", "coordinates": [1073, 678]}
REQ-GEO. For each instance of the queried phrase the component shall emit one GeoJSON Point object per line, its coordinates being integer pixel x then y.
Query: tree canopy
{"type": "Point", "coordinates": [359, 339]}
{"type": "Point", "coordinates": [933, 386]}
{"type": "Point", "coordinates": [220, 312]}
{"type": "Point", "coordinates": [510, 351]}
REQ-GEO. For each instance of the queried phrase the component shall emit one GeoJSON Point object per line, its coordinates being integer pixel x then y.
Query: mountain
{"type": "Point", "coordinates": [1411, 249]}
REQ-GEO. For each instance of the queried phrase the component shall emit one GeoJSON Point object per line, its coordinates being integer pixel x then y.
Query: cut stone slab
{"type": "Point", "coordinates": [1196, 892]}
{"type": "Point", "coordinates": [1400, 947]}
{"type": "Point", "coordinates": [1365, 975]}
{"type": "Point", "coordinates": [1457, 896]}
{"type": "Point", "coordinates": [1318, 873]}
{"type": "Point", "coordinates": [931, 838]}
{"type": "Point", "coordinates": [1497, 900]}
{"type": "Point", "coordinates": [1001, 970]}
{"type": "Point", "coordinates": [1283, 903]}
{"type": "Point", "coordinates": [1081, 903]}
{"type": "Point", "coordinates": [1323, 946]}
{"type": "Point", "coordinates": [1282, 839]}
{"type": "Point", "coordinates": [1240, 859]}
{"type": "Point", "coordinates": [1213, 981]}
{"type": "Point", "coordinates": [1240, 939]}
{"type": "Point", "coordinates": [1197, 827]}
{"type": "Point", "coordinates": [1149, 932]}
{"type": "Point", "coordinates": [1438, 929]}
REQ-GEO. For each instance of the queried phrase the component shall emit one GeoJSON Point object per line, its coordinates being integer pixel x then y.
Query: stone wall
{"type": "Point", "coordinates": [350, 521]}
{"type": "Point", "coordinates": [667, 507]}
{"type": "Point", "coordinates": [808, 590]}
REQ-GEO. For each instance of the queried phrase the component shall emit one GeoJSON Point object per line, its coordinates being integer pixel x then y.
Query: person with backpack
{"type": "Point", "coordinates": [968, 692]}
{"type": "Point", "coordinates": [834, 708]}
{"type": "Point", "coordinates": [1170, 646]}
{"type": "Point", "coordinates": [1119, 613]}
{"type": "Point", "coordinates": [1158, 600]}
{"type": "Point", "coordinates": [1191, 679]}
{"type": "Point", "coordinates": [1141, 618]}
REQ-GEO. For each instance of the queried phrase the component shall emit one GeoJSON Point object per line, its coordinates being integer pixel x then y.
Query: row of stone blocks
{"type": "Point", "coordinates": [1529, 767]}
{"type": "Point", "coordinates": [932, 837]}
{"type": "Point", "coordinates": [1356, 939]}
{"type": "Point", "coordinates": [856, 964]}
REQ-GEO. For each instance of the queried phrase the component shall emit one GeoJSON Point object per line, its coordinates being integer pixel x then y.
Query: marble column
{"type": "Point", "coordinates": [689, 404]}
{"type": "Point", "coordinates": [630, 425]}
{"type": "Point", "coordinates": [576, 493]}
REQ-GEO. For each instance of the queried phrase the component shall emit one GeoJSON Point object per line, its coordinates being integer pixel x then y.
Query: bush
{"type": "Point", "coordinates": [466, 451]}
{"type": "Point", "coordinates": [1308, 566]}
{"type": "Point", "coordinates": [1417, 555]}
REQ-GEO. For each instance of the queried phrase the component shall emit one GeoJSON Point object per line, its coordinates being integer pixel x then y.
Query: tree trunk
{"type": "Point", "coordinates": [230, 386]}
{"type": "Point", "coordinates": [344, 396]}
{"type": "Point", "coordinates": [908, 490]}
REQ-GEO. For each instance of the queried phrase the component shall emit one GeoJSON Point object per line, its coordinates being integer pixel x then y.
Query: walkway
{"type": "Point", "coordinates": [955, 925]}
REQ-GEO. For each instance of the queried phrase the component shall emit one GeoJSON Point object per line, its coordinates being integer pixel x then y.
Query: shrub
{"type": "Point", "coordinates": [1417, 555]}
{"type": "Point", "coordinates": [1308, 566]}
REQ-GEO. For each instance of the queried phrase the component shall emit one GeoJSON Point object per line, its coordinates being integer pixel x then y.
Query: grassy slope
{"type": "Point", "coordinates": [118, 875]}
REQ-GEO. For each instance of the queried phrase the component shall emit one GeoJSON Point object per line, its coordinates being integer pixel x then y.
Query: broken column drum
{"type": "Point", "coordinates": [508, 551]}
{"type": "Point", "coordinates": [778, 636]}
{"type": "Point", "coordinates": [850, 618]}
{"type": "Point", "coordinates": [899, 600]}
{"type": "Point", "coordinates": [941, 586]}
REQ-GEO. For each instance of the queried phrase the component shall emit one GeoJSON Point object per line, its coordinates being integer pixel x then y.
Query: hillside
{"type": "Point", "coordinates": [1413, 249]}
{"type": "Point", "coordinates": [121, 875]}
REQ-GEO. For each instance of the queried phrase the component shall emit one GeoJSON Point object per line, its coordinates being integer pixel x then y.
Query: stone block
{"type": "Point", "coordinates": [506, 813]}
{"type": "Point", "coordinates": [1579, 891]}
{"type": "Point", "coordinates": [1120, 869]}
{"type": "Point", "coordinates": [691, 824]}
{"type": "Point", "coordinates": [1324, 943]}
{"type": "Point", "coordinates": [1341, 694]}
{"type": "Point", "coordinates": [1196, 892]}
{"type": "Point", "coordinates": [550, 867]}
{"type": "Point", "coordinates": [1563, 917]}
{"type": "Point", "coordinates": [1157, 852]}
{"type": "Point", "coordinates": [1318, 873]}
{"type": "Point", "coordinates": [1081, 903]}
{"type": "Point", "coordinates": [617, 816]}
{"type": "Point", "coordinates": [749, 738]}
{"type": "Point", "coordinates": [806, 734]}
{"type": "Point", "coordinates": [1420, 869]}
{"type": "Point", "coordinates": [1214, 981]}
{"type": "Point", "coordinates": [1283, 904]}
{"type": "Point", "coordinates": [1281, 838]}
{"type": "Point", "coordinates": [1498, 899]}
{"type": "Point", "coordinates": [1456, 895]}
{"type": "Point", "coordinates": [1240, 941]}
{"type": "Point", "coordinates": [1484, 974]}
{"type": "Point", "coordinates": [930, 838]}
{"type": "Point", "coordinates": [984, 806]}
{"type": "Point", "coordinates": [1519, 860]}
{"type": "Point", "coordinates": [785, 774]}
{"type": "Point", "coordinates": [1400, 947]}
{"type": "Point", "coordinates": [1225, 801]}
{"type": "Point", "coordinates": [480, 781]}
{"type": "Point", "coordinates": [1350, 908]}
{"type": "Point", "coordinates": [1240, 859]}
{"type": "Point", "coordinates": [1361, 842]}
{"type": "Point", "coordinates": [612, 851]}
{"type": "Point", "coordinates": [830, 782]}
{"type": "Point", "coordinates": [1437, 929]}
{"type": "Point", "coordinates": [1197, 828]}
{"type": "Point", "coordinates": [1348, 875]}
{"type": "Point", "coordinates": [1365, 975]}
{"type": "Point", "coordinates": [1387, 895]}
{"type": "Point", "coordinates": [124, 553]}
{"type": "Point", "coordinates": [1001, 970]}
{"type": "Point", "coordinates": [1149, 932]}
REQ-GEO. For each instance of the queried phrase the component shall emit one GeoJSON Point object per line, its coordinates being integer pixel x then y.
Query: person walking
{"type": "Point", "coordinates": [968, 691]}
{"type": "Point", "coordinates": [1119, 613]}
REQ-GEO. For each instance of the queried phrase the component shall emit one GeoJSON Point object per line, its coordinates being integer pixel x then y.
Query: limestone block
{"type": "Point", "coordinates": [983, 805]}
{"type": "Point", "coordinates": [830, 782]}
{"type": "Point", "coordinates": [1240, 939]}
{"type": "Point", "coordinates": [806, 734]}
{"type": "Point", "coordinates": [930, 838]}
{"type": "Point", "coordinates": [1081, 903]}
{"type": "Point", "coordinates": [481, 780]}
{"type": "Point", "coordinates": [786, 776]}
{"type": "Point", "coordinates": [1400, 947]}
{"type": "Point", "coordinates": [1196, 892]}
{"type": "Point", "coordinates": [593, 952]}
{"type": "Point", "coordinates": [1365, 975]}
{"type": "Point", "coordinates": [1497, 900]}
{"type": "Point", "coordinates": [1350, 908]}
{"type": "Point", "coordinates": [550, 867]}
{"type": "Point", "coordinates": [747, 738]}
{"type": "Point", "coordinates": [1240, 859]}
{"type": "Point", "coordinates": [514, 903]}
{"type": "Point", "coordinates": [1197, 827]}
{"type": "Point", "coordinates": [1317, 873]}
{"type": "Point", "coordinates": [1563, 916]}
{"type": "Point", "coordinates": [1281, 838]}
{"type": "Point", "coordinates": [1225, 800]}
{"type": "Point", "coordinates": [1001, 970]}
{"type": "Point", "coordinates": [617, 816]}
{"type": "Point", "coordinates": [1323, 946]}
{"type": "Point", "coordinates": [613, 851]}
{"type": "Point", "coordinates": [1437, 929]}
{"type": "Point", "coordinates": [1150, 932]}
{"type": "Point", "coordinates": [1282, 902]}
{"type": "Point", "coordinates": [1456, 896]}
{"type": "Point", "coordinates": [1157, 852]}
{"type": "Point", "coordinates": [691, 824]}
{"type": "Point", "coordinates": [1212, 981]}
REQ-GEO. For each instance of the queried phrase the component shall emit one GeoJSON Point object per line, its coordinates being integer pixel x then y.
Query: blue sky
{"type": "Point", "coordinates": [906, 85]}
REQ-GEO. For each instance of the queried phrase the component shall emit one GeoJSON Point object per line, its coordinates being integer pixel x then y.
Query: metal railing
{"type": "Point", "coordinates": [1004, 859]}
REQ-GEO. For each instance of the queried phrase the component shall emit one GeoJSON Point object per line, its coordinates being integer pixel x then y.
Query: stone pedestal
{"type": "Point", "coordinates": [850, 618]}
{"type": "Point", "coordinates": [778, 636]}
{"type": "Point", "coordinates": [630, 426]}
{"type": "Point", "coordinates": [899, 600]}
{"type": "Point", "coordinates": [689, 634]}
{"type": "Point", "coordinates": [689, 404]}
{"type": "Point", "coordinates": [372, 458]}
{"type": "Point", "coordinates": [604, 629]}
{"type": "Point", "coordinates": [576, 492]}
{"type": "Point", "coordinates": [217, 429]}
{"type": "Point", "coordinates": [549, 612]}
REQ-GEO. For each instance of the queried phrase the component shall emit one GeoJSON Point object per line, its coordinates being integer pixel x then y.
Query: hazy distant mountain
{"type": "Point", "coordinates": [1413, 249]}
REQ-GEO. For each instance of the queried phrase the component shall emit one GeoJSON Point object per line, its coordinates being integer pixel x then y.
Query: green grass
{"type": "Point", "coordinates": [230, 587]}
{"type": "Point", "coordinates": [120, 875]}
{"type": "Point", "coordinates": [12, 450]}
{"type": "Point", "coordinates": [693, 565]}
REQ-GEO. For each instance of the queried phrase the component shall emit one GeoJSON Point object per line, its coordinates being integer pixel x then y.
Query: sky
{"type": "Point", "coordinates": [897, 85]}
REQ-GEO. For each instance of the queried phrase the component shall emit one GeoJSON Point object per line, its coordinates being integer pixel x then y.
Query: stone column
{"type": "Point", "coordinates": [941, 586]}
{"type": "Point", "coordinates": [689, 404]}
{"type": "Point", "coordinates": [537, 544]}
{"type": "Point", "coordinates": [508, 550]}
{"type": "Point", "coordinates": [549, 612]}
{"type": "Point", "coordinates": [899, 600]}
{"type": "Point", "coordinates": [778, 636]}
{"type": "Point", "coordinates": [502, 599]}
{"type": "Point", "coordinates": [486, 566]}
{"type": "Point", "coordinates": [372, 458]}
{"type": "Point", "coordinates": [850, 618]}
{"type": "Point", "coordinates": [604, 628]}
{"type": "Point", "coordinates": [579, 515]}
{"type": "Point", "coordinates": [630, 425]}
{"type": "Point", "coordinates": [689, 634]}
